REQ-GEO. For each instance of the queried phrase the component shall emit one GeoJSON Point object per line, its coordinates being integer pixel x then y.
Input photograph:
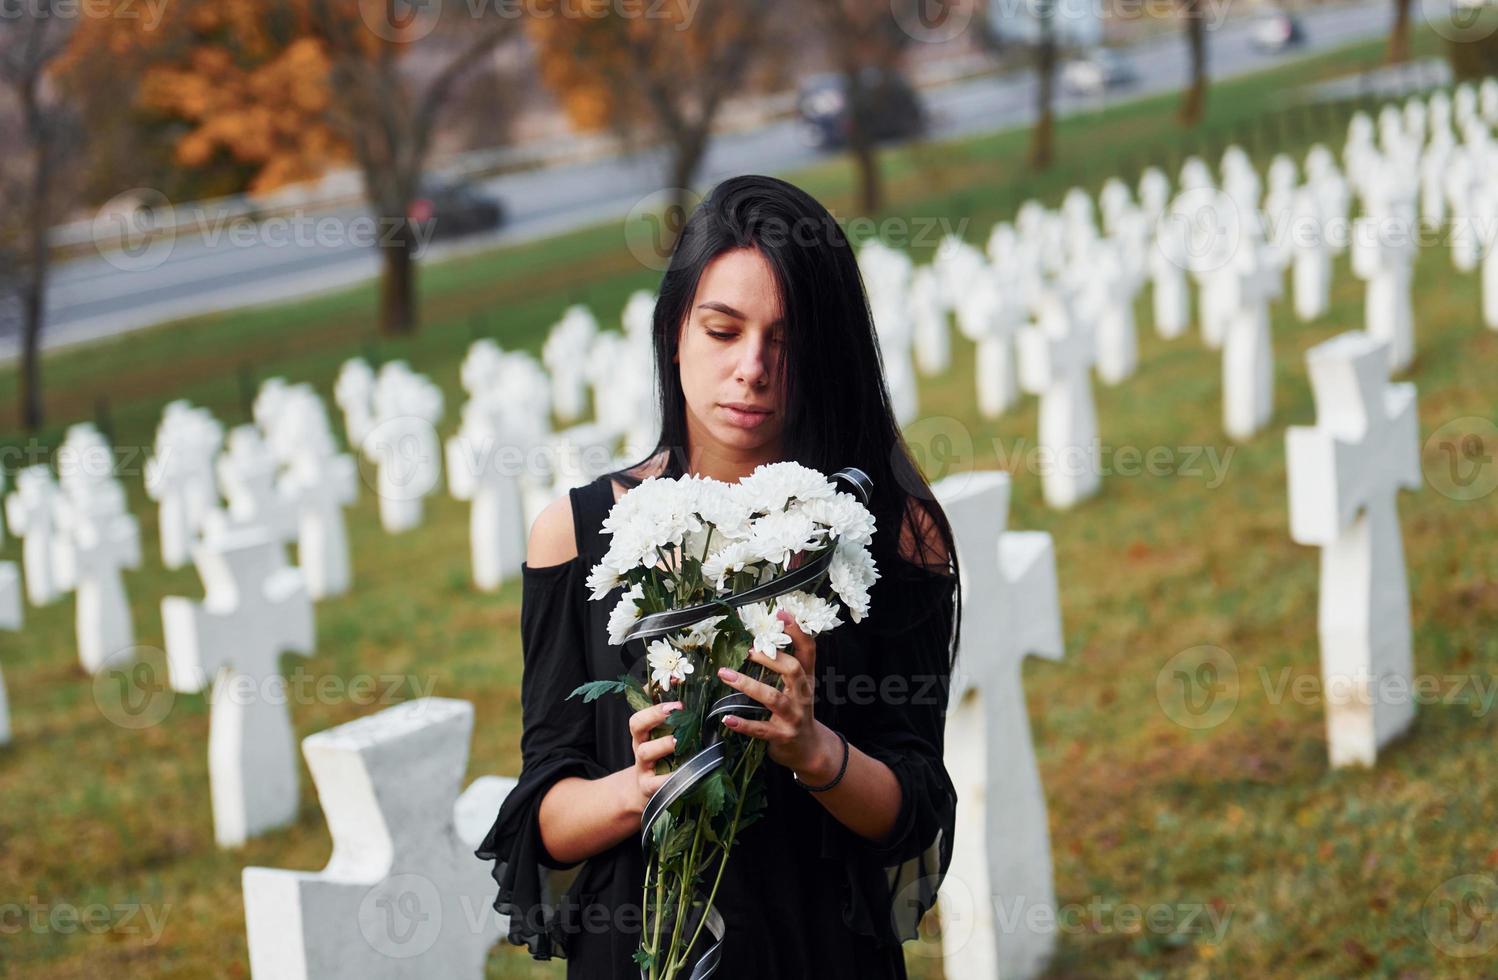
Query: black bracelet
{"type": "Point", "coordinates": [835, 779]}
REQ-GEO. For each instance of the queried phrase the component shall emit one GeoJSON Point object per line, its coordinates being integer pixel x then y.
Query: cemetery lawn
{"type": "Point", "coordinates": [1247, 855]}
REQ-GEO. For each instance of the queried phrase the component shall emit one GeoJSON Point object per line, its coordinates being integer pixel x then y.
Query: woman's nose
{"type": "Point", "coordinates": [753, 365]}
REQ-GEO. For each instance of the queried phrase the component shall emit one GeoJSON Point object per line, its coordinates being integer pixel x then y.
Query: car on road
{"type": "Point", "coordinates": [895, 109]}
{"type": "Point", "coordinates": [455, 208]}
{"type": "Point", "coordinates": [1097, 71]}
{"type": "Point", "coordinates": [1278, 31]}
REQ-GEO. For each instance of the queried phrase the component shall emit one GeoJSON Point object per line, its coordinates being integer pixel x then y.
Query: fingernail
{"type": "Point", "coordinates": [731, 721]}
{"type": "Point", "coordinates": [727, 675]}
{"type": "Point", "coordinates": [672, 705]}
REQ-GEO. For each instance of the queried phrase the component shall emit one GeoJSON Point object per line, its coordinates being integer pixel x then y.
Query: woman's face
{"type": "Point", "coordinates": [729, 359]}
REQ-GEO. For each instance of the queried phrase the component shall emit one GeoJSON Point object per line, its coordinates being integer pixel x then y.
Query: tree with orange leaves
{"type": "Point", "coordinates": [651, 72]}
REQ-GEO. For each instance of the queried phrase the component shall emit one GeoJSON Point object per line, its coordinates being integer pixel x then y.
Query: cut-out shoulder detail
{"type": "Point", "coordinates": [921, 542]}
{"type": "Point", "coordinates": [553, 539]}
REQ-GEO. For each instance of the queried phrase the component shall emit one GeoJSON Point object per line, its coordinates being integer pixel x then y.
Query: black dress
{"type": "Point", "coordinates": [803, 896]}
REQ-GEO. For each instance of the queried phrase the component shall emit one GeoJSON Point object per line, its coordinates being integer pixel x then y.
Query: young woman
{"type": "Point", "coordinates": [765, 350]}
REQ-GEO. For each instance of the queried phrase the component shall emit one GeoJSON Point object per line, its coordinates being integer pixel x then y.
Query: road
{"type": "Point", "coordinates": [234, 265]}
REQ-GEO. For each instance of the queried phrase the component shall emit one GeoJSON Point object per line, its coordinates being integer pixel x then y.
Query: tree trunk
{"type": "Point", "coordinates": [1194, 104]}
{"type": "Point", "coordinates": [686, 157]}
{"type": "Point", "coordinates": [34, 287]}
{"type": "Point", "coordinates": [1399, 35]}
{"type": "Point", "coordinates": [861, 145]}
{"type": "Point", "coordinates": [398, 282]}
{"type": "Point", "coordinates": [1042, 141]}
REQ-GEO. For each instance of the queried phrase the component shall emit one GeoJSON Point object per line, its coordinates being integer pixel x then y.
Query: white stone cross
{"type": "Point", "coordinates": [97, 539]}
{"type": "Point", "coordinates": [1383, 254]}
{"type": "Point", "coordinates": [1311, 272]}
{"type": "Point", "coordinates": [1247, 353]}
{"type": "Point", "coordinates": [256, 609]}
{"type": "Point", "coordinates": [10, 619]}
{"type": "Point", "coordinates": [179, 477]}
{"type": "Point", "coordinates": [484, 464]}
{"type": "Point", "coordinates": [354, 393]}
{"type": "Point", "coordinates": [403, 445]}
{"type": "Point", "coordinates": [1001, 856]}
{"type": "Point", "coordinates": [928, 314]}
{"type": "Point", "coordinates": [320, 487]}
{"type": "Point", "coordinates": [1107, 301]}
{"type": "Point", "coordinates": [565, 353]}
{"type": "Point", "coordinates": [1056, 358]}
{"type": "Point", "coordinates": [402, 895]}
{"type": "Point", "coordinates": [1344, 475]}
{"type": "Point", "coordinates": [249, 477]}
{"type": "Point", "coordinates": [30, 510]}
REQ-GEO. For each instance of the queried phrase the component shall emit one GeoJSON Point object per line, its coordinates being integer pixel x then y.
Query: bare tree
{"type": "Point", "coordinates": [389, 115]}
{"type": "Point", "coordinates": [1399, 34]}
{"type": "Point", "coordinates": [31, 39]}
{"type": "Point", "coordinates": [1194, 104]}
{"type": "Point", "coordinates": [1043, 138]}
{"type": "Point", "coordinates": [864, 39]}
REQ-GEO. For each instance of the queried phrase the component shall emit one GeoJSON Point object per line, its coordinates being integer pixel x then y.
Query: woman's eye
{"type": "Point", "coordinates": [718, 335]}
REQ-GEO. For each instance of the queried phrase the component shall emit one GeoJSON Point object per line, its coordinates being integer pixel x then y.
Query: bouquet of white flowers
{"type": "Point", "coordinates": [706, 566]}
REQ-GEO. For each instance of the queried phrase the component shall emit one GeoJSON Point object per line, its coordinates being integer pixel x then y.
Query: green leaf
{"type": "Point", "coordinates": [644, 958]}
{"type": "Point", "coordinates": [678, 841]}
{"type": "Point", "coordinates": [593, 690]}
{"type": "Point", "coordinates": [684, 725]}
{"type": "Point", "coordinates": [714, 793]}
{"type": "Point", "coordinates": [634, 692]}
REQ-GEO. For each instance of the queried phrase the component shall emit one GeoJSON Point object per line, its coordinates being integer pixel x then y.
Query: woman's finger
{"type": "Point", "coordinates": [656, 749]}
{"type": "Point", "coordinates": [803, 647]}
{"type": "Point", "coordinates": [747, 726]}
{"type": "Point", "coordinates": [758, 690]}
{"type": "Point", "coordinates": [642, 721]}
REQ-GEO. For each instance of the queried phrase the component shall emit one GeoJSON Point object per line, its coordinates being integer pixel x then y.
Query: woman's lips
{"type": "Point", "coordinates": [745, 418]}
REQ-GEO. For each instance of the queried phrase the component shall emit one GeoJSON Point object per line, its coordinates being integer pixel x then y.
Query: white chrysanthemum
{"type": "Point", "coordinates": [603, 579]}
{"type": "Point", "coordinates": [722, 505]}
{"type": "Point", "coordinates": [777, 536]}
{"type": "Point", "coordinates": [852, 574]}
{"type": "Point", "coordinates": [769, 632]}
{"type": "Point", "coordinates": [667, 664]}
{"type": "Point", "coordinates": [812, 613]}
{"type": "Point", "coordinates": [732, 557]}
{"type": "Point", "coordinates": [842, 512]}
{"type": "Point", "coordinates": [652, 518]}
{"type": "Point", "coordinates": [625, 614]}
{"type": "Point", "coordinates": [702, 634]}
{"type": "Point", "coordinates": [771, 486]}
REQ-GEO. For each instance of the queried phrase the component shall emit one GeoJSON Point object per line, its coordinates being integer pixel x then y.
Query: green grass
{"type": "Point", "coordinates": [1319, 873]}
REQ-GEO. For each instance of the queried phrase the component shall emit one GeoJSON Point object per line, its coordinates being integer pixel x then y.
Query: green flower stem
{"type": "Point", "coordinates": [754, 751]}
{"type": "Point", "coordinates": [683, 903]}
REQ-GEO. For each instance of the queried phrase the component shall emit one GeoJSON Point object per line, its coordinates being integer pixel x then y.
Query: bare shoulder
{"type": "Point", "coordinates": [921, 541]}
{"type": "Point", "coordinates": [553, 539]}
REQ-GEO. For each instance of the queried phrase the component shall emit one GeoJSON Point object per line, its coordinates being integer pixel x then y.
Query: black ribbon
{"type": "Point", "coordinates": [714, 753]}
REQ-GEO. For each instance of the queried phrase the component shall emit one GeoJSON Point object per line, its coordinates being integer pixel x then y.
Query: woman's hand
{"type": "Point", "coordinates": [796, 739]}
{"type": "Point", "coordinates": [649, 751]}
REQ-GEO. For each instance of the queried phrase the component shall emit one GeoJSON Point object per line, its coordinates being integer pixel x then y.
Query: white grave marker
{"type": "Point", "coordinates": [1344, 475]}
{"type": "Point", "coordinates": [256, 608]}
{"type": "Point", "coordinates": [402, 895]}
{"type": "Point", "coordinates": [1001, 856]}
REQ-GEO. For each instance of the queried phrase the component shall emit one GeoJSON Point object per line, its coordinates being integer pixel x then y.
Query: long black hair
{"type": "Point", "coordinates": [837, 406]}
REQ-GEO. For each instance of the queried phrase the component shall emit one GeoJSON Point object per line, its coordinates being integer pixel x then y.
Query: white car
{"type": "Point", "coordinates": [1096, 72]}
